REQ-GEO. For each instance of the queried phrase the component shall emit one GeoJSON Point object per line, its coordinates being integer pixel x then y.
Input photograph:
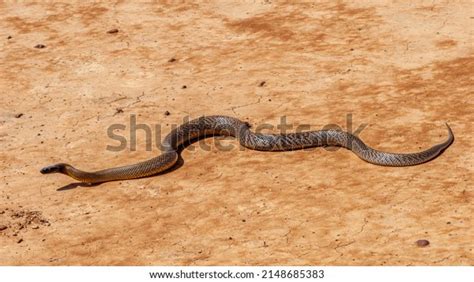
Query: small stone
{"type": "Point", "coordinates": [3, 227]}
{"type": "Point", "coordinates": [19, 241]}
{"type": "Point", "coordinates": [9, 37]}
{"type": "Point", "coordinates": [40, 46]}
{"type": "Point", "coordinates": [184, 87]}
{"type": "Point", "coordinates": [167, 113]}
{"type": "Point", "coordinates": [112, 31]}
{"type": "Point", "coordinates": [171, 60]}
{"type": "Point", "coordinates": [422, 243]}
{"type": "Point", "coordinates": [261, 84]}
{"type": "Point", "coordinates": [19, 115]}
{"type": "Point", "coordinates": [35, 227]}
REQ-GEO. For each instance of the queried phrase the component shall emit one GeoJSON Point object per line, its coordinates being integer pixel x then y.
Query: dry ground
{"type": "Point", "coordinates": [403, 70]}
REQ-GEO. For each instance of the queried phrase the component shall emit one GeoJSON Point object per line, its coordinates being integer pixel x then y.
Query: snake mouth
{"type": "Point", "coordinates": [51, 169]}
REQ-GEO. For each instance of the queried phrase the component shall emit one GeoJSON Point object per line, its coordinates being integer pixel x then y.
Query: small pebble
{"type": "Point", "coordinates": [422, 243]}
{"type": "Point", "coordinates": [171, 60]}
{"type": "Point", "coordinates": [114, 30]}
{"type": "Point", "coordinates": [19, 241]}
{"type": "Point", "coordinates": [262, 83]}
{"type": "Point", "coordinates": [9, 37]}
{"type": "Point", "coordinates": [184, 87]}
{"type": "Point", "coordinates": [3, 227]}
{"type": "Point", "coordinates": [19, 115]}
{"type": "Point", "coordinates": [40, 46]}
{"type": "Point", "coordinates": [167, 113]}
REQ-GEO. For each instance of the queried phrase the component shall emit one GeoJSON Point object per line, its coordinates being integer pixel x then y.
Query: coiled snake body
{"type": "Point", "coordinates": [229, 126]}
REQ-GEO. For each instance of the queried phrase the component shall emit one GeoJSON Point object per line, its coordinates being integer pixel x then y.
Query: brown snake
{"type": "Point", "coordinates": [229, 126]}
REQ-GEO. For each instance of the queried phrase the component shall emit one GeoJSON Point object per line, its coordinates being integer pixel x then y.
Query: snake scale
{"type": "Point", "coordinates": [229, 126]}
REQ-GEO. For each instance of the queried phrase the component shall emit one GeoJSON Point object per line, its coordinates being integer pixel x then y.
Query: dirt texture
{"type": "Point", "coordinates": [70, 71]}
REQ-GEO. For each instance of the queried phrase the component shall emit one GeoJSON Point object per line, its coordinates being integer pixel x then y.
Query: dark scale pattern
{"type": "Point", "coordinates": [229, 126]}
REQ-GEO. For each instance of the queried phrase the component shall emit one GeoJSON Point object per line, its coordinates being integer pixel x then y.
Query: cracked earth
{"type": "Point", "coordinates": [402, 70]}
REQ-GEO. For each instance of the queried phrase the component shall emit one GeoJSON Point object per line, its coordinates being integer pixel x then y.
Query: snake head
{"type": "Point", "coordinates": [56, 168]}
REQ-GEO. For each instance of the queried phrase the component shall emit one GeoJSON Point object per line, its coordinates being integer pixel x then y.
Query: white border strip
{"type": "Point", "coordinates": [330, 273]}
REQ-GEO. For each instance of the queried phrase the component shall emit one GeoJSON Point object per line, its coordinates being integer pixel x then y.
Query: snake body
{"type": "Point", "coordinates": [229, 126]}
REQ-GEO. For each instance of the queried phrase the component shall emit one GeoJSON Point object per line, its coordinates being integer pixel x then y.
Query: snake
{"type": "Point", "coordinates": [218, 125]}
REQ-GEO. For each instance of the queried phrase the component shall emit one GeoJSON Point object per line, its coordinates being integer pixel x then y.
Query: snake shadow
{"type": "Point", "coordinates": [179, 163]}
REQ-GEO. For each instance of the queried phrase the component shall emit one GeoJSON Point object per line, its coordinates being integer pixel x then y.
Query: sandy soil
{"type": "Point", "coordinates": [403, 70]}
